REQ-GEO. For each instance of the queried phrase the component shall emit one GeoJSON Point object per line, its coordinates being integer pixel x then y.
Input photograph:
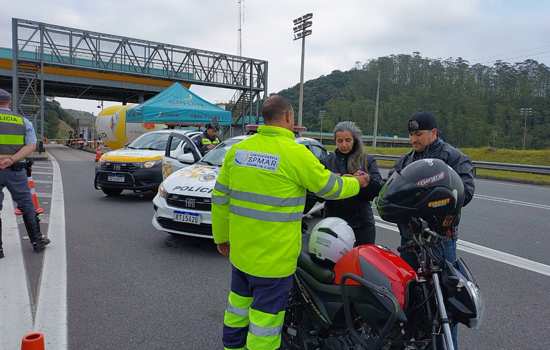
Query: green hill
{"type": "Point", "coordinates": [476, 105]}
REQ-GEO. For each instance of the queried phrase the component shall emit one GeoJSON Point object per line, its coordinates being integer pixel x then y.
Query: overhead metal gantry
{"type": "Point", "coordinates": [60, 61]}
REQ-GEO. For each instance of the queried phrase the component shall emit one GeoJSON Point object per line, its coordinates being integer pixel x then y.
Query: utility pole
{"type": "Point", "coordinates": [375, 131]}
{"type": "Point", "coordinates": [300, 32]}
{"type": "Point", "coordinates": [525, 112]}
{"type": "Point", "coordinates": [322, 114]}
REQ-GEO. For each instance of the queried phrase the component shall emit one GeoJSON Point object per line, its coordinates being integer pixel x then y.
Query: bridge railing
{"type": "Point", "coordinates": [52, 44]}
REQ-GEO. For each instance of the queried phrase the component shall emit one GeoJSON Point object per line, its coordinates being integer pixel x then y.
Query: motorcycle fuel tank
{"type": "Point", "coordinates": [378, 265]}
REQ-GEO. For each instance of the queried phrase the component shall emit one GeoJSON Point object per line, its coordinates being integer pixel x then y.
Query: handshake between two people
{"type": "Point", "coordinates": [362, 176]}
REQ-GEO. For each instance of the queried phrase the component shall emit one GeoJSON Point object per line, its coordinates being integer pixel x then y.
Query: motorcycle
{"type": "Point", "coordinates": [372, 299]}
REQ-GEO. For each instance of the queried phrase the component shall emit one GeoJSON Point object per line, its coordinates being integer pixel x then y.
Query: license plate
{"type": "Point", "coordinates": [186, 217]}
{"type": "Point", "coordinates": [113, 178]}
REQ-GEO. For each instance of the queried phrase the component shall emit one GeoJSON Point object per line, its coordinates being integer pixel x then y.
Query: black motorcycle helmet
{"type": "Point", "coordinates": [427, 189]}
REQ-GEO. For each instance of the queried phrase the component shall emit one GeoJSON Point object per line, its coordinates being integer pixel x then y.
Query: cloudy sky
{"type": "Point", "coordinates": [343, 31]}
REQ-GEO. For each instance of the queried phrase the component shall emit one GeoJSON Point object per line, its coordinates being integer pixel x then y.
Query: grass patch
{"type": "Point", "coordinates": [487, 154]}
{"type": "Point", "coordinates": [535, 157]}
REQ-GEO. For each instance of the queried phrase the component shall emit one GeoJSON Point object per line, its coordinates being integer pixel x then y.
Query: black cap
{"type": "Point", "coordinates": [422, 121]}
{"type": "Point", "coordinates": [211, 126]}
{"type": "Point", "coordinates": [4, 96]}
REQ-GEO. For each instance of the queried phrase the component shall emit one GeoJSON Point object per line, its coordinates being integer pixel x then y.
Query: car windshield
{"type": "Point", "coordinates": [155, 141]}
{"type": "Point", "coordinates": [216, 156]}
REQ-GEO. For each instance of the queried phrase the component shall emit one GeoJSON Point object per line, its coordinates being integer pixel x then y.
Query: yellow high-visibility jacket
{"type": "Point", "coordinates": [259, 198]}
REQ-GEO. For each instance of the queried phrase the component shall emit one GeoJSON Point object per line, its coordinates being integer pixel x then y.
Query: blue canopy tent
{"type": "Point", "coordinates": [178, 105]}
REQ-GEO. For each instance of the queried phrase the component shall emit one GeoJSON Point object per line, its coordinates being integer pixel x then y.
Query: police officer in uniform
{"type": "Point", "coordinates": [209, 139]}
{"type": "Point", "coordinates": [426, 143]}
{"type": "Point", "coordinates": [17, 141]}
{"type": "Point", "coordinates": [257, 207]}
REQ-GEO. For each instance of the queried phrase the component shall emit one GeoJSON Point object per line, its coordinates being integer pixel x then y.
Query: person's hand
{"type": "Point", "coordinates": [363, 179]}
{"type": "Point", "coordinates": [6, 162]}
{"type": "Point", "coordinates": [210, 147]}
{"type": "Point", "coordinates": [223, 249]}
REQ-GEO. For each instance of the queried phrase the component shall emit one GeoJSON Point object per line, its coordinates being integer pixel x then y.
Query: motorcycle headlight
{"type": "Point", "coordinates": [151, 164]}
{"type": "Point", "coordinates": [475, 294]}
{"type": "Point", "coordinates": [162, 191]}
{"type": "Point", "coordinates": [464, 300]}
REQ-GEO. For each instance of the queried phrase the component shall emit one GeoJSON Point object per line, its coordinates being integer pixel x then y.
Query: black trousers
{"type": "Point", "coordinates": [365, 234]}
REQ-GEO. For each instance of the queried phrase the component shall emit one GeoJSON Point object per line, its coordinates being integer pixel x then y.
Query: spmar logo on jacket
{"type": "Point", "coordinates": [264, 161]}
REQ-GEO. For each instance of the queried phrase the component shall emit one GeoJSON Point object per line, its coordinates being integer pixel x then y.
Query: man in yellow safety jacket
{"type": "Point", "coordinates": [257, 207]}
{"type": "Point", "coordinates": [17, 141]}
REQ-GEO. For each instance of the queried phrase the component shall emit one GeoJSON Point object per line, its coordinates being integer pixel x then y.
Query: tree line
{"type": "Point", "coordinates": [475, 104]}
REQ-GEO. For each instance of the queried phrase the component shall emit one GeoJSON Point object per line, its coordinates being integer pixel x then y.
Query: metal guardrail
{"type": "Point", "coordinates": [328, 136]}
{"type": "Point", "coordinates": [520, 168]}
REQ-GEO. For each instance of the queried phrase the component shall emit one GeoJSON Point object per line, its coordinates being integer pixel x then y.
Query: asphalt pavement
{"type": "Point", "coordinates": [126, 289]}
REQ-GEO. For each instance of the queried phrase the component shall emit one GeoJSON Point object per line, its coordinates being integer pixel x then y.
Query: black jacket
{"type": "Point", "coordinates": [356, 210]}
{"type": "Point", "coordinates": [450, 155]}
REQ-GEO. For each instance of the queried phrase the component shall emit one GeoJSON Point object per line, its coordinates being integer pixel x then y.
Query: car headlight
{"type": "Point", "coordinates": [162, 191]}
{"type": "Point", "coordinates": [151, 164]}
{"type": "Point", "coordinates": [102, 163]}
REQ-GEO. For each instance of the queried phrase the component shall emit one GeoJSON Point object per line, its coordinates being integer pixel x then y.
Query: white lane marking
{"type": "Point", "coordinates": [51, 312]}
{"type": "Point", "coordinates": [485, 252]}
{"type": "Point", "coordinates": [41, 173]}
{"type": "Point", "coordinates": [15, 304]}
{"type": "Point", "coordinates": [41, 167]}
{"type": "Point", "coordinates": [44, 195]}
{"type": "Point", "coordinates": [42, 181]}
{"type": "Point", "coordinates": [512, 201]}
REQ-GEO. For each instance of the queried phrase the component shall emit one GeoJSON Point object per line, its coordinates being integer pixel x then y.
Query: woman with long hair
{"type": "Point", "coordinates": [350, 157]}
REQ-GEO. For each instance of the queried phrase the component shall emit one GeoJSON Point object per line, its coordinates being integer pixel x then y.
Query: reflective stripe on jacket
{"type": "Point", "coordinates": [207, 141]}
{"type": "Point", "coordinates": [259, 198]}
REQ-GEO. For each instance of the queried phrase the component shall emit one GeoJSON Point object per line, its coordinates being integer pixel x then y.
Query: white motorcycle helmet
{"type": "Point", "coordinates": [331, 239]}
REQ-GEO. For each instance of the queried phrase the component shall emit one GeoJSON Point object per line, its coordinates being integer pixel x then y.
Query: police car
{"type": "Point", "coordinates": [183, 202]}
{"type": "Point", "coordinates": [138, 166]}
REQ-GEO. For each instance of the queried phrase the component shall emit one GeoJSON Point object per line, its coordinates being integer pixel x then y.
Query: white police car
{"type": "Point", "coordinates": [183, 203]}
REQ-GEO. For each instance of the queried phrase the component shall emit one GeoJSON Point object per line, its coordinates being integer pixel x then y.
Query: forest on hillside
{"type": "Point", "coordinates": [475, 104]}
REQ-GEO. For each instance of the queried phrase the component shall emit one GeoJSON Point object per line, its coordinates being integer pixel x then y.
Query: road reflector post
{"type": "Point", "coordinates": [30, 182]}
{"type": "Point", "coordinates": [33, 341]}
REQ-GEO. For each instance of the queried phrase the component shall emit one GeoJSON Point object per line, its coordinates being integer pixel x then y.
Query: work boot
{"type": "Point", "coordinates": [39, 242]}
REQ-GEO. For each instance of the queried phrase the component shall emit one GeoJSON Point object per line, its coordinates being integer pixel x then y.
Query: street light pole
{"type": "Point", "coordinates": [300, 32]}
{"type": "Point", "coordinates": [375, 131]}
{"type": "Point", "coordinates": [301, 99]}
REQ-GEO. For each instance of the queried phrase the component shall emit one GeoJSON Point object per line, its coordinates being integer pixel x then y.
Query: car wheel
{"type": "Point", "coordinates": [112, 192]}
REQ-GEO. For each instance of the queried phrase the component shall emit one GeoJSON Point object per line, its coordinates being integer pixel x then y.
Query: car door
{"type": "Point", "coordinates": [180, 152]}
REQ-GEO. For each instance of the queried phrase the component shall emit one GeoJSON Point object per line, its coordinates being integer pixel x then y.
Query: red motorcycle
{"type": "Point", "coordinates": [370, 298]}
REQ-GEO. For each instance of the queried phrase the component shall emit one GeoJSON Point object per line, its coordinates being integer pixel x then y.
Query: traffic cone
{"type": "Point", "coordinates": [33, 341]}
{"type": "Point", "coordinates": [35, 201]}
{"type": "Point", "coordinates": [37, 208]}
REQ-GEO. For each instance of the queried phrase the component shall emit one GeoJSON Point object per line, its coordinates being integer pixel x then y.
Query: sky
{"type": "Point", "coordinates": [344, 32]}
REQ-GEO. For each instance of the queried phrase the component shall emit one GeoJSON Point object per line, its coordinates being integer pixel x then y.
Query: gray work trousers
{"type": "Point", "coordinates": [16, 183]}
